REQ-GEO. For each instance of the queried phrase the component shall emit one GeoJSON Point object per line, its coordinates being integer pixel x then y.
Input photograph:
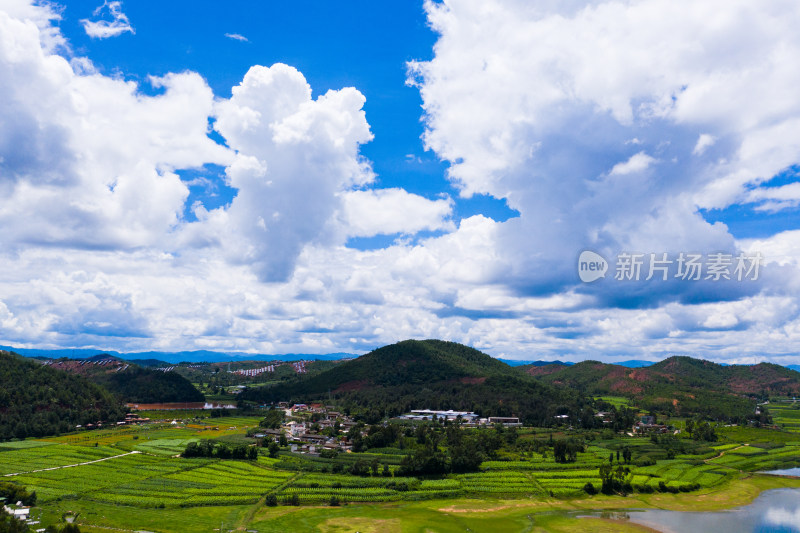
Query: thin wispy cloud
{"type": "Point", "coordinates": [103, 28]}
{"type": "Point", "coordinates": [237, 37]}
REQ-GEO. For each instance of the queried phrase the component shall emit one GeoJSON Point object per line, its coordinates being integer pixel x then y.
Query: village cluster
{"type": "Point", "coordinates": [314, 428]}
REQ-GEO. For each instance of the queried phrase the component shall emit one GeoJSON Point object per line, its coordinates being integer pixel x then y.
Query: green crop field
{"type": "Point", "coordinates": [786, 415]}
{"type": "Point", "coordinates": [133, 478]}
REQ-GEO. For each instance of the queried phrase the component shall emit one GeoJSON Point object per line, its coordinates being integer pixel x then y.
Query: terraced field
{"type": "Point", "coordinates": [154, 477]}
{"type": "Point", "coordinates": [786, 415]}
{"type": "Point", "coordinates": [136, 473]}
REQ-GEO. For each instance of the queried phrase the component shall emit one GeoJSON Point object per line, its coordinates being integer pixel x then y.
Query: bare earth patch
{"type": "Point", "coordinates": [362, 525]}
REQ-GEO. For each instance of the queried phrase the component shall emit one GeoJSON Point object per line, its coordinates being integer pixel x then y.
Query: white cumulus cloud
{"type": "Point", "coordinates": [295, 155]}
{"type": "Point", "coordinates": [637, 163]}
{"type": "Point", "coordinates": [389, 211]}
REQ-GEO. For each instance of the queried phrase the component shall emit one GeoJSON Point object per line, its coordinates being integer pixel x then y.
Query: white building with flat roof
{"type": "Point", "coordinates": [418, 414]}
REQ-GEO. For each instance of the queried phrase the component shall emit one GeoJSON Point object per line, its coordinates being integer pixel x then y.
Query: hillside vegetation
{"type": "Point", "coordinates": [36, 400]}
{"type": "Point", "coordinates": [131, 382]}
{"type": "Point", "coordinates": [150, 386]}
{"type": "Point", "coordinates": [428, 374]}
{"type": "Point", "coordinates": [679, 386]}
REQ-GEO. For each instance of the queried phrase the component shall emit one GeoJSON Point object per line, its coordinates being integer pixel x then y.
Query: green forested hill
{"type": "Point", "coordinates": [129, 381]}
{"type": "Point", "coordinates": [428, 374]}
{"type": "Point", "coordinates": [36, 400]}
{"type": "Point", "coordinates": [678, 385]}
{"type": "Point", "coordinates": [411, 362]}
{"type": "Point", "coordinates": [143, 385]}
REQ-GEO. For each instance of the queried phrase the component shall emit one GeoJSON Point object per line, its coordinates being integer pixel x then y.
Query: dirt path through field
{"type": "Point", "coordinates": [723, 453]}
{"type": "Point", "coordinates": [70, 466]}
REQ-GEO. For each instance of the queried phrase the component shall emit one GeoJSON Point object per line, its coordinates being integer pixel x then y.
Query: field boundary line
{"type": "Point", "coordinates": [70, 466]}
{"type": "Point", "coordinates": [723, 453]}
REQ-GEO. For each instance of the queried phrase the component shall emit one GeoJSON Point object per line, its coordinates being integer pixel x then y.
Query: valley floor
{"type": "Point", "coordinates": [97, 478]}
{"type": "Point", "coordinates": [452, 515]}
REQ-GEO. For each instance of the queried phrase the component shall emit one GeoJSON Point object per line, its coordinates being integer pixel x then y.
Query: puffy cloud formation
{"type": "Point", "coordinates": [390, 211]}
{"type": "Point", "coordinates": [608, 126]}
{"type": "Point", "coordinates": [294, 156]}
{"type": "Point", "coordinates": [87, 161]}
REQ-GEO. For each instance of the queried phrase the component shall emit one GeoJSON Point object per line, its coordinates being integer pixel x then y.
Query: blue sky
{"type": "Point", "coordinates": [313, 177]}
{"type": "Point", "coordinates": [360, 44]}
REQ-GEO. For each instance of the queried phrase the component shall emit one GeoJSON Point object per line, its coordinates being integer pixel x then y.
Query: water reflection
{"type": "Point", "coordinates": [775, 511]}
{"type": "Point", "coordinates": [787, 472]}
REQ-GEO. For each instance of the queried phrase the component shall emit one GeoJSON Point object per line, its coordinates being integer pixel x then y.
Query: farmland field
{"type": "Point", "coordinates": [133, 478]}
{"type": "Point", "coordinates": [786, 415]}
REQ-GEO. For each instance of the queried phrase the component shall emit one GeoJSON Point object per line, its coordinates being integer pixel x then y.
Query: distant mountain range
{"type": "Point", "coordinates": [158, 358]}
{"type": "Point", "coordinates": [198, 356]}
{"type": "Point", "coordinates": [633, 363]}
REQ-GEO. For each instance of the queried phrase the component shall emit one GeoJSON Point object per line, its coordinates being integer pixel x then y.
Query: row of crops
{"type": "Point", "coordinates": [786, 415]}
{"type": "Point", "coordinates": [155, 478]}
{"type": "Point", "coordinates": [27, 459]}
{"type": "Point", "coordinates": [208, 483]}
{"type": "Point", "coordinates": [759, 458]}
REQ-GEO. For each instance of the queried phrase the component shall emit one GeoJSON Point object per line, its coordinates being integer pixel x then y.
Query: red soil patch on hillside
{"type": "Point", "coordinates": [639, 375]}
{"type": "Point", "coordinates": [543, 370]}
{"type": "Point", "coordinates": [352, 385]}
{"type": "Point", "coordinates": [744, 385]}
{"type": "Point", "coordinates": [626, 387]}
{"type": "Point", "coordinates": [472, 381]}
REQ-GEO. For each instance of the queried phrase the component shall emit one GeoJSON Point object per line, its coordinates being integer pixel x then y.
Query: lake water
{"type": "Point", "coordinates": [787, 472]}
{"type": "Point", "coordinates": [774, 511]}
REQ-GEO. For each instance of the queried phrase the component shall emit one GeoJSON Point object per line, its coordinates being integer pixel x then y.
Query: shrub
{"type": "Point", "coordinates": [589, 489]}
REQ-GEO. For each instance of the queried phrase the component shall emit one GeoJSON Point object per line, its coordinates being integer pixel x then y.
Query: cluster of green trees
{"type": "Point", "coordinates": [220, 450]}
{"type": "Point", "coordinates": [221, 413]}
{"type": "Point", "coordinates": [436, 447]}
{"type": "Point", "coordinates": [614, 479]}
{"type": "Point", "coordinates": [566, 450]}
{"type": "Point", "coordinates": [14, 493]}
{"type": "Point", "coordinates": [38, 401]}
{"type": "Point", "coordinates": [363, 467]}
{"type": "Point", "coordinates": [9, 524]}
{"type": "Point", "coordinates": [273, 419]}
{"type": "Point", "coordinates": [701, 430]}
